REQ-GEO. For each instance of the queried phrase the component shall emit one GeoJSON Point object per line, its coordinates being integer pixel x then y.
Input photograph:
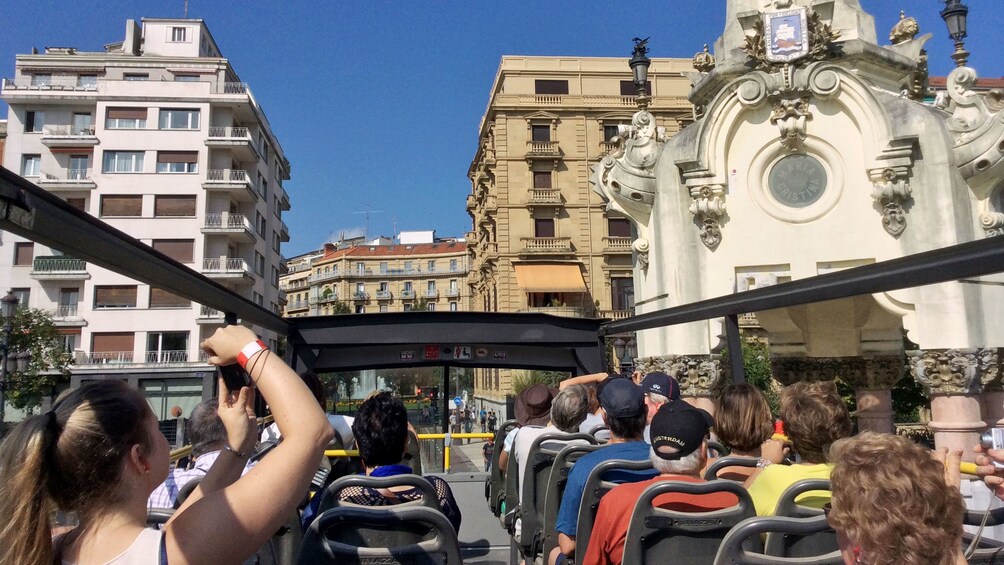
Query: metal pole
{"type": "Point", "coordinates": [735, 349]}
{"type": "Point", "coordinates": [7, 327]}
{"type": "Point", "coordinates": [446, 399]}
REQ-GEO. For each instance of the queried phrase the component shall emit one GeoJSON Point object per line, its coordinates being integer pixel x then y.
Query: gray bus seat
{"type": "Point", "coordinates": [717, 449]}
{"type": "Point", "coordinates": [602, 478]}
{"type": "Point", "coordinates": [185, 491]}
{"type": "Point", "coordinates": [740, 545]}
{"type": "Point", "coordinates": [728, 461]}
{"type": "Point", "coordinates": [416, 535]}
{"type": "Point", "coordinates": [495, 491]}
{"type": "Point", "coordinates": [330, 498]}
{"type": "Point", "coordinates": [510, 495]}
{"type": "Point", "coordinates": [692, 537]}
{"type": "Point", "coordinates": [563, 462]}
{"type": "Point", "coordinates": [781, 544]}
{"type": "Point", "coordinates": [987, 550]}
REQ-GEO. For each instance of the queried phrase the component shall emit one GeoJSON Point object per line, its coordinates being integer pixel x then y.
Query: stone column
{"type": "Point", "coordinates": [953, 378]}
{"type": "Point", "coordinates": [873, 389]}
{"type": "Point", "coordinates": [698, 375]}
{"type": "Point", "coordinates": [992, 399]}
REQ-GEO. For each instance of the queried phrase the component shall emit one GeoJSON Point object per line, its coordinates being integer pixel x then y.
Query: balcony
{"type": "Point", "coordinates": [617, 245]}
{"type": "Point", "coordinates": [59, 268]}
{"type": "Point", "coordinates": [452, 292]}
{"type": "Point", "coordinates": [566, 311]}
{"type": "Point", "coordinates": [607, 147]}
{"type": "Point", "coordinates": [160, 357]}
{"type": "Point", "coordinates": [237, 139]}
{"type": "Point", "coordinates": [538, 196]}
{"type": "Point", "coordinates": [236, 183]}
{"type": "Point", "coordinates": [546, 245]}
{"type": "Point", "coordinates": [75, 180]}
{"type": "Point", "coordinates": [28, 87]}
{"type": "Point", "coordinates": [237, 226]}
{"type": "Point", "coordinates": [166, 357]}
{"type": "Point", "coordinates": [748, 320]}
{"type": "Point", "coordinates": [330, 297]}
{"type": "Point", "coordinates": [67, 316]}
{"type": "Point", "coordinates": [283, 199]}
{"type": "Point", "coordinates": [283, 232]}
{"type": "Point", "coordinates": [588, 101]}
{"type": "Point", "coordinates": [542, 150]}
{"type": "Point", "coordinates": [472, 202]}
{"type": "Point", "coordinates": [227, 268]}
{"type": "Point", "coordinates": [471, 238]}
{"type": "Point", "coordinates": [360, 296]}
{"type": "Point", "coordinates": [384, 295]}
{"type": "Point", "coordinates": [106, 358]}
{"type": "Point", "coordinates": [69, 136]}
{"type": "Point", "coordinates": [431, 293]}
{"type": "Point", "coordinates": [297, 305]}
{"type": "Point", "coordinates": [319, 277]}
{"type": "Point", "coordinates": [209, 315]}
{"type": "Point", "coordinates": [616, 314]}
{"type": "Point", "coordinates": [407, 295]}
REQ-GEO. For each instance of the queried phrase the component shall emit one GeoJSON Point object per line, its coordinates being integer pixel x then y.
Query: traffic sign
{"type": "Point", "coordinates": [457, 400]}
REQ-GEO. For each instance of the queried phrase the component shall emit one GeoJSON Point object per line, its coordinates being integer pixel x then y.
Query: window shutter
{"type": "Point", "coordinates": [121, 205]}
{"type": "Point", "coordinates": [112, 342]}
{"type": "Point", "coordinates": [180, 250]}
{"type": "Point", "coordinates": [126, 113]}
{"type": "Point", "coordinates": [160, 298]}
{"type": "Point", "coordinates": [174, 206]}
{"type": "Point", "coordinates": [115, 297]}
{"type": "Point", "coordinates": [177, 156]}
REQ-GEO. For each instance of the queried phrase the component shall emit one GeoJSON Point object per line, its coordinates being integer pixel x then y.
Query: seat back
{"type": "Point", "coordinates": [415, 535]}
{"type": "Point", "coordinates": [792, 544]}
{"type": "Point", "coordinates": [496, 480]}
{"type": "Point", "coordinates": [540, 460]}
{"type": "Point", "coordinates": [692, 537]}
{"type": "Point", "coordinates": [728, 461]}
{"type": "Point", "coordinates": [602, 478]}
{"type": "Point", "coordinates": [510, 498]}
{"type": "Point", "coordinates": [556, 481]}
{"type": "Point", "coordinates": [717, 449]}
{"type": "Point", "coordinates": [738, 547]}
{"type": "Point", "coordinates": [186, 490]}
{"type": "Point", "coordinates": [330, 499]}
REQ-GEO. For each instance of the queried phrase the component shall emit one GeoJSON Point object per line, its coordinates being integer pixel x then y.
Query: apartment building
{"type": "Point", "coordinates": [418, 272]}
{"type": "Point", "coordinates": [542, 239]}
{"type": "Point", "coordinates": [158, 137]}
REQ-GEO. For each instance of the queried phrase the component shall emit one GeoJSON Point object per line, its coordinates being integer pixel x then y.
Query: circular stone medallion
{"type": "Point", "coordinates": [797, 181]}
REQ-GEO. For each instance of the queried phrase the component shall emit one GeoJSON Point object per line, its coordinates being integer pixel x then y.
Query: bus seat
{"type": "Point", "coordinates": [781, 544]}
{"type": "Point", "coordinates": [556, 481]}
{"type": "Point", "coordinates": [496, 481]}
{"type": "Point", "coordinates": [728, 461]}
{"type": "Point", "coordinates": [330, 498]}
{"type": "Point", "coordinates": [602, 478]}
{"type": "Point", "coordinates": [740, 545]}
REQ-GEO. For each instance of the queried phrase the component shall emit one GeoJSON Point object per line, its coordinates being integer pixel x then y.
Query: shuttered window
{"type": "Point", "coordinates": [122, 206]}
{"type": "Point", "coordinates": [23, 253]}
{"type": "Point", "coordinates": [628, 88]}
{"type": "Point", "coordinates": [177, 162]}
{"type": "Point", "coordinates": [119, 296]}
{"type": "Point", "coordinates": [618, 227]}
{"type": "Point", "coordinates": [550, 86]}
{"type": "Point", "coordinates": [542, 179]}
{"type": "Point", "coordinates": [112, 342]}
{"type": "Point", "coordinates": [160, 298]}
{"type": "Point", "coordinates": [181, 250]}
{"type": "Point", "coordinates": [125, 118]}
{"type": "Point", "coordinates": [173, 206]}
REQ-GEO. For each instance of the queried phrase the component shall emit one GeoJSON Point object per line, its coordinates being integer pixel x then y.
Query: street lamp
{"type": "Point", "coordinates": [955, 14]}
{"type": "Point", "coordinates": [625, 351]}
{"type": "Point", "coordinates": [8, 307]}
{"type": "Point", "coordinates": [639, 64]}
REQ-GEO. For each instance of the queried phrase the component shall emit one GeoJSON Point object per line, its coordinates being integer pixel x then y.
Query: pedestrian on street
{"type": "Point", "coordinates": [492, 421]}
{"type": "Point", "coordinates": [487, 450]}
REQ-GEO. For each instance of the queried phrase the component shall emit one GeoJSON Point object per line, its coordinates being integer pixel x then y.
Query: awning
{"type": "Point", "coordinates": [561, 277]}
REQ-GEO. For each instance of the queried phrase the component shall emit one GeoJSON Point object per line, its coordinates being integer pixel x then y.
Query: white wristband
{"type": "Point", "coordinates": [249, 350]}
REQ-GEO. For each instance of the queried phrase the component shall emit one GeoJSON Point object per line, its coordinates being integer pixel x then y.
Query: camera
{"type": "Point", "coordinates": [993, 439]}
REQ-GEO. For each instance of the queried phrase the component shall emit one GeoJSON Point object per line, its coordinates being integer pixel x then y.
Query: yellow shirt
{"type": "Point", "coordinates": [770, 484]}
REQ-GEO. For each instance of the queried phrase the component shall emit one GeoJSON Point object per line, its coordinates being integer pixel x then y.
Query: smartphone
{"type": "Point", "coordinates": [234, 376]}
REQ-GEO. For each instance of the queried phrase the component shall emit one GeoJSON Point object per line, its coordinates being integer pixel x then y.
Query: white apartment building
{"type": "Point", "coordinates": [158, 137]}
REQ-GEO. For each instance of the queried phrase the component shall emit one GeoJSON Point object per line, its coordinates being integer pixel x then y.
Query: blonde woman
{"type": "Point", "coordinates": [743, 424]}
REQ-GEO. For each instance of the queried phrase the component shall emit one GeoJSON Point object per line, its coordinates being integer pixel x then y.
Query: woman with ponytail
{"type": "Point", "coordinates": [99, 453]}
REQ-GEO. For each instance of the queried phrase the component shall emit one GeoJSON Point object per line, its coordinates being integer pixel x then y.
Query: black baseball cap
{"type": "Point", "coordinates": [661, 383]}
{"type": "Point", "coordinates": [678, 429]}
{"type": "Point", "coordinates": [621, 398]}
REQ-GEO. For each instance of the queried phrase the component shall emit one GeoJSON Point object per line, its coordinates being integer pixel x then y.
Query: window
{"type": "Point", "coordinates": [610, 132]}
{"type": "Point", "coordinates": [550, 86]}
{"type": "Point", "coordinates": [543, 227]}
{"type": "Point", "coordinates": [383, 287]}
{"type": "Point", "coordinates": [78, 203]}
{"type": "Point", "coordinates": [119, 296]}
{"type": "Point", "coordinates": [78, 167]}
{"type": "Point", "coordinates": [361, 268]}
{"type": "Point", "coordinates": [171, 206]}
{"type": "Point", "coordinates": [112, 347]}
{"type": "Point", "coordinates": [618, 227]}
{"type": "Point", "coordinates": [88, 82]}
{"type": "Point", "coordinates": [135, 76]}
{"type": "Point", "coordinates": [408, 307]}
{"type": "Point", "coordinates": [407, 266]}
{"type": "Point", "coordinates": [41, 79]}
{"type": "Point", "coordinates": [276, 241]}
{"type": "Point", "coordinates": [383, 267]}
{"type": "Point", "coordinates": [263, 146]}
{"type": "Point", "coordinates": [34, 121]}
{"type": "Point", "coordinates": [23, 295]}
{"type": "Point", "coordinates": [540, 132]}
{"type": "Point", "coordinates": [453, 306]}
{"type": "Point", "coordinates": [160, 298]}
{"type": "Point", "coordinates": [181, 250]}
{"type": "Point", "coordinates": [360, 309]}
{"type": "Point", "coordinates": [121, 206]}
{"type": "Point", "coordinates": [431, 266]}
{"type": "Point", "coordinates": [177, 161]}
{"type": "Point", "coordinates": [164, 394]}
{"type": "Point", "coordinates": [125, 118]}
{"type": "Point", "coordinates": [179, 34]}
{"type": "Point", "coordinates": [431, 307]}
{"type": "Point", "coordinates": [259, 264]}
{"type": "Point", "coordinates": [384, 308]}
{"type": "Point", "coordinates": [257, 298]}
{"type": "Point", "coordinates": [431, 286]}
{"type": "Point", "coordinates": [275, 276]}
{"type": "Point", "coordinates": [453, 265]}
{"type": "Point", "coordinates": [260, 223]}
{"type": "Point", "coordinates": [123, 162]}
{"type": "Point", "coordinates": [360, 287]}
{"type": "Point", "coordinates": [629, 89]}
{"type": "Point", "coordinates": [407, 286]}
{"type": "Point", "coordinates": [179, 119]}
{"type": "Point", "coordinates": [542, 179]}
{"type": "Point", "coordinates": [31, 165]}
{"type": "Point", "coordinates": [166, 347]}
{"type": "Point", "coordinates": [453, 285]}
{"type": "Point", "coordinates": [24, 252]}
{"type": "Point", "coordinates": [621, 293]}
{"type": "Point", "coordinates": [69, 342]}
{"type": "Point", "coordinates": [180, 77]}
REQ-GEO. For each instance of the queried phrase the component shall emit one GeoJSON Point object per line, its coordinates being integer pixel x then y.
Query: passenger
{"type": "Point", "coordinates": [99, 453]}
{"type": "Point", "coordinates": [743, 424]}
{"type": "Point", "coordinates": [814, 417]}
{"type": "Point", "coordinates": [205, 431]}
{"type": "Point", "coordinates": [891, 503]}
{"type": "Point", "coordinates": [381, 432]}
{"type": "Point", "coordinates": [341, 424]}
{"type": "Point", "coordinates": [533, 408]}
{"type": "Point", "coordinates": [678, 452]}
{"type": "Point", "coordinates": [659, 388]}
{"type": "Point", "coordinates": [623, 408]}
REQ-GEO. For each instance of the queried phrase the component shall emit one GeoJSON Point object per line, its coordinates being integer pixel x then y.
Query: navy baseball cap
{"type": "Point", "coordinates": [621, 398]}
{"type": "Point", "coordinates": [678, 429]}
{"type": "Point", "coordinates": [661, 383]}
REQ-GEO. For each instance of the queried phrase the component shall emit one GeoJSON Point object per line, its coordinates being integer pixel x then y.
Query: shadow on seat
{"type": "Point", "coordinates": [987, 551]}
{"type": "Point", "coordinates": [729, 461]}
{"type": "Point", "coordinates": [556, 481]}
{"type": "Point", "coordinates": [412, 534]}
{"type": "Point", "coordinates": [495, 489]}
{"type": "Point", "coordinates": [602, 478]}
{"type": "Point", "coordinates": [792, 544]}
{"type": "Point", "coordinates": [736, 548]}
{"type": "Point", "coordinates": [330, 499]}
{"type": "Point", "coordinates": [691, 537]}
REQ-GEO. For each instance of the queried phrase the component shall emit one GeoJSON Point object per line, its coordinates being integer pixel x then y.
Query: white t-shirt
{"type": "Point", "coordinates": [341, 424]}
{"type": "Point", "coordinates": [523, 441]}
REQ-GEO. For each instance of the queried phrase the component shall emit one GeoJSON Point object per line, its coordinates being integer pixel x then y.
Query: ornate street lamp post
{"type": "Point", "coordinates": [955, 14]}
{"type": "Point", "coordinates": [8, 307]}
{"type": "Point", "coordinates": [639, 64]}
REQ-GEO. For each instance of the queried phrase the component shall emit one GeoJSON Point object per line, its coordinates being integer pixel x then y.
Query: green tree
{"type": "Point", "coordinates": [34, 332]}
{"type": "Point", "coordinates": [525, 379]}
{"type": "Point", "coordinates": [339, 307]}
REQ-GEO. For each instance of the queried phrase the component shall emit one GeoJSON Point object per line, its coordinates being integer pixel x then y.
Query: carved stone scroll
{"type": "Point", "coordinates": [697, 374]}
{"type": "Point", "coordinates": [708, 207]}
{"type": "Point", "coordinates": [954, 371]}
{"type": "Point", "coordinates": [891, 191]}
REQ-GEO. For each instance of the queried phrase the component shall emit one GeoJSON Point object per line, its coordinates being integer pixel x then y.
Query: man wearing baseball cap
{"type": "Point", "coordinates": [623, 407]}
{"type": "Point", "coordinates": [659, 388]}
{"type": "Point", "coordinates": [678, 452]}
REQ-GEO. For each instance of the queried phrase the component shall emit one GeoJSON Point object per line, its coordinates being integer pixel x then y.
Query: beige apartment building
{"type": "Point", "coordinates": [422, 274]}
{"type": "Point", "coordinates": [542, 239]}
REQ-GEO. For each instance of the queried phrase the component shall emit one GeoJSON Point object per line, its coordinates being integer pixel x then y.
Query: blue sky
{"type": "Point", "coordinates": [377, 103]}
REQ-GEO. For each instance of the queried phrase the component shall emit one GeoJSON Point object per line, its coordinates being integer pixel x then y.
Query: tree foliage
{"type": "Point", "coordinates": [524, 379]}
{"type": "Point", "coordinates": [34, 331]}
{"type": "Point", "coordinates": [340, 307]}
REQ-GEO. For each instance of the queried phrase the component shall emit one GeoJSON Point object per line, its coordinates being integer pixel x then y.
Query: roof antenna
{"type": "Point", "coordinates": [369, 210]}
{"type": "Point", "coordinates": [186, 9]}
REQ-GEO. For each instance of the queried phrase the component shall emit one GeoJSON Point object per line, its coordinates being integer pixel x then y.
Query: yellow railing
{"type": "Point", "coordinates": [185, 451]}
{"type": "Point", "coordinates": [447, 440]}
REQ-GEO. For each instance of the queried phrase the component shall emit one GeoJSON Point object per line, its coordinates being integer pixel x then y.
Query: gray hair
{"type": "Point", "coordinates": [570, 407]}
{"type": "Point", "coordinates": [205, 428]}
{"type": "Point", "coordinates": [657, 398]}
{"type": "Point", "coordinates": [688, 465]}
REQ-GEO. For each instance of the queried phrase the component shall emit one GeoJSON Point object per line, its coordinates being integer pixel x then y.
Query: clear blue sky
{"type": "Point", "coordinates": [377, 103]}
